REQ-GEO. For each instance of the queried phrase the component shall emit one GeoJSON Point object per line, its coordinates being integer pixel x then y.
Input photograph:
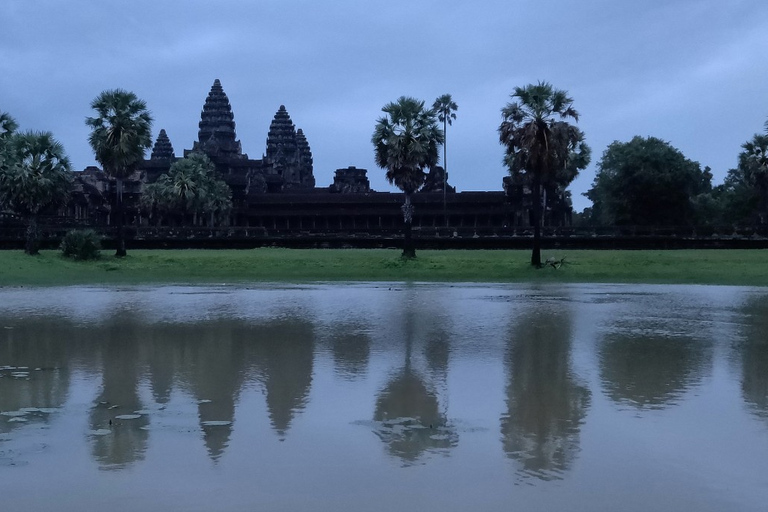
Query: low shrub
{"type": "Point", "coordinates": [81, 244]}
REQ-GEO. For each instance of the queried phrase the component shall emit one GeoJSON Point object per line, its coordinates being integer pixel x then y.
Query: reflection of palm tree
{"type": "Point", "coordinates": [119, 396]}
{"type": "Point", "coordinates": [754, 384]}
{"type": "Point", "coordinates": [545, 404]}
{"type": "Point", "coordinates": [284, 354]}
{"type": "Point", "coordinates": [409, 420]}
{"type": "Point", "coordinates": [407, 414]}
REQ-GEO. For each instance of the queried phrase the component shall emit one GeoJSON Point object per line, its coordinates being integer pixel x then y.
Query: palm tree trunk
{"type": "Point", "coordinates": [445, 168]}
{"type": "Point", "coordinates": [31, 246]}
{"type": "Point", "coordinates": [120, 239]}
{"type": "Point", "coordinates": [536, 210]}
{"type": "Point", "coordinates": [409, 251]}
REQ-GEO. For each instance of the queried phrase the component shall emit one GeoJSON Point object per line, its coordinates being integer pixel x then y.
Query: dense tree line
{"type": "Point", "coordinates": [645, 181]}
{"type": "Point", "coordinates": [648, 182]}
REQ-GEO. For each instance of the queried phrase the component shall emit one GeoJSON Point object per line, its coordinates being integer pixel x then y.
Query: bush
{"type": "Point", "coordinates": [81, 244]}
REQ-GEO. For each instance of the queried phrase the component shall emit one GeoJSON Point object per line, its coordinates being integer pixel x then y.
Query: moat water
{"type": "Point", "coordinates": [372, 397]}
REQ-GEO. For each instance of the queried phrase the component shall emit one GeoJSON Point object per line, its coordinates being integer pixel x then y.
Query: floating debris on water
{"type": "Point", "coordinates": [18, 419]}
{"type": "Point", "coordinates": [215, 423]}
{"type": "Point", "coordinates": [101, 432]}
{"type": "Point", "coordinates": [204, 401]}
{"type": "Point", "coordinates": [13, 414]}
{"type": "Point", "coordinates": [113, 407]}
{"type": "Point", "coordinates": [128, 416]}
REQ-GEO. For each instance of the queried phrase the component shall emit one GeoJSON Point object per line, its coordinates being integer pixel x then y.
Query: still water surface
{"type": "Point", "coordinates": [384, 397]}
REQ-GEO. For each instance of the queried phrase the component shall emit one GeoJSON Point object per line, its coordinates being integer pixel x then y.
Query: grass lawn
{"type": "Point", "coordinates": [735, 267]}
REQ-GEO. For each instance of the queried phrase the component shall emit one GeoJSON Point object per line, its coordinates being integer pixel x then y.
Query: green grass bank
{"type": "Point", "coordinates": [732, 267]}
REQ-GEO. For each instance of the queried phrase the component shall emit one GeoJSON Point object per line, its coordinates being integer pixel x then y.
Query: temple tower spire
{"type": "Point", "coordinates": [282, 149]}
{"type": "Point", "coordinates": [217, 137]}
{"type": "Point", "coordinates": [162, 150]}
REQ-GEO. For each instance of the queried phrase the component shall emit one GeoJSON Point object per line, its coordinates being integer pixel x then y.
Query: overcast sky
{"type": "Point", "coordinates": [692, 72]}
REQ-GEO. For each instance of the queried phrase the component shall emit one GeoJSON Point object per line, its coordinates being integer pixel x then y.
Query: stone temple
{"type": "Point", "coordinates": [278, 194]}
{"type": "Point", "coordinates": [285, 166]}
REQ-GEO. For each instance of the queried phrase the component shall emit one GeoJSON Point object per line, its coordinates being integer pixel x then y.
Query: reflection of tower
{"type": "Point", "coordinates": [284, 355]}
{"type": "Point", "coordinates": [164, 348]}
{"type": "Point", "coordinates": [119, 396]}
{"type": "Point", "coordinates": [39, 348]}
{"type": "Point", "coordinates": [754, 383]}
{"type": "Point", "coordinates": [545, 404]}
{"type": "Point", "coordinates": [215, 368]}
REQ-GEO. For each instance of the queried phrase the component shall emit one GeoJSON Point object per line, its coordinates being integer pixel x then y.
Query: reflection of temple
{"type": "Point", "coordinates": [283, 353]}
{"type": "Point", "coordinates": [277, 192]}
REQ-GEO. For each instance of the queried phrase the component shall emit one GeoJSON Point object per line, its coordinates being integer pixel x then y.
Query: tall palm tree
{"type": "Point", "coordinates": [406, 141]}
{"type": "Point", "coordinates": [120, 134]}
{"type": "Point", "coordinates": [446, 112]}
{"type": "Point", "coordinates": [753, 161]}
{"type": "Point", "coordinates": [540, 143]}
{"type": "Point", "coordinates": [37, 176]}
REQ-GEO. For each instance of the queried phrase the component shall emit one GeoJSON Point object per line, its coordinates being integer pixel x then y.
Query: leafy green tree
{"type": "Point", "coordinates": [542, 148]}
{"type": "Point", "coordinates": [446, 109]}
{"type": "Point", "coordinates": [8, 127]}
{"type": "Point", "coordinates": [748, 183]}
{"type": "Point", "coordinates": [190, 186]}
{"type": "Point", "coordinates": [35, 176]}
{"type": "Point", "coordinates": [120, 134]}
{"type": "Point", "coordinates": [406, 141]}
{"type": "Point", "coordinates": [647, 182]}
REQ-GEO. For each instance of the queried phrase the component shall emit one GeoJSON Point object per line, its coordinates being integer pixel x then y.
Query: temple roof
{"type": "Point", "coordinates": [217, 125]}
{"type": "Point", "coordinates": [162, 150]}
{"type": "Point", "coordinates": [305, 153]}
{"type": "Point", "coordinates": [281, 140]}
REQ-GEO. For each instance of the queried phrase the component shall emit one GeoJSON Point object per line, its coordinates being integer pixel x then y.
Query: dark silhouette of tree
{"type": "Point", "coordinates": [406, 141]}
{"type": "Point", "coordinates": [35, 176]}
{"type": "Point", "coordinates": [120, 134]}
{"type": "Point", "coordinates": [542, 148]}
{"type": "Point", "coordinates": [647, 182]}
{"type": "Point", "coordinates": [446, 112]}
{"type": "Point", "coordinates": [190, 186]}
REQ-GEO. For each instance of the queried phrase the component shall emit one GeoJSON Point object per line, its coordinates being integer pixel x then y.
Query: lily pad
{"type": "Point", "coordinates": [13, 414]}
{"type": "Point", "coordinates": [128, 416]}
{"type": "Point", "coordinates": [18, 419]}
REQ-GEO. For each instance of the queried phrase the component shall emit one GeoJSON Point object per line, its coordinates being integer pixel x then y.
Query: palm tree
{"type": "Point", "coordinates": [7, 126]}
{"type": "Point", "coordinates": [540, 143]}
{"type": "Point", "coordinates": [190, 185]}
{"type": "Point", "coordinates": [445, 108]}
{"type": "Point", "coordinates": [753, 162]}
{"type": "Point", "coordinates": [120, 133]}
{"type": "Point", "coordinates": [35, 177]}
{"type": "Point", "coordinates": [406, 142]}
